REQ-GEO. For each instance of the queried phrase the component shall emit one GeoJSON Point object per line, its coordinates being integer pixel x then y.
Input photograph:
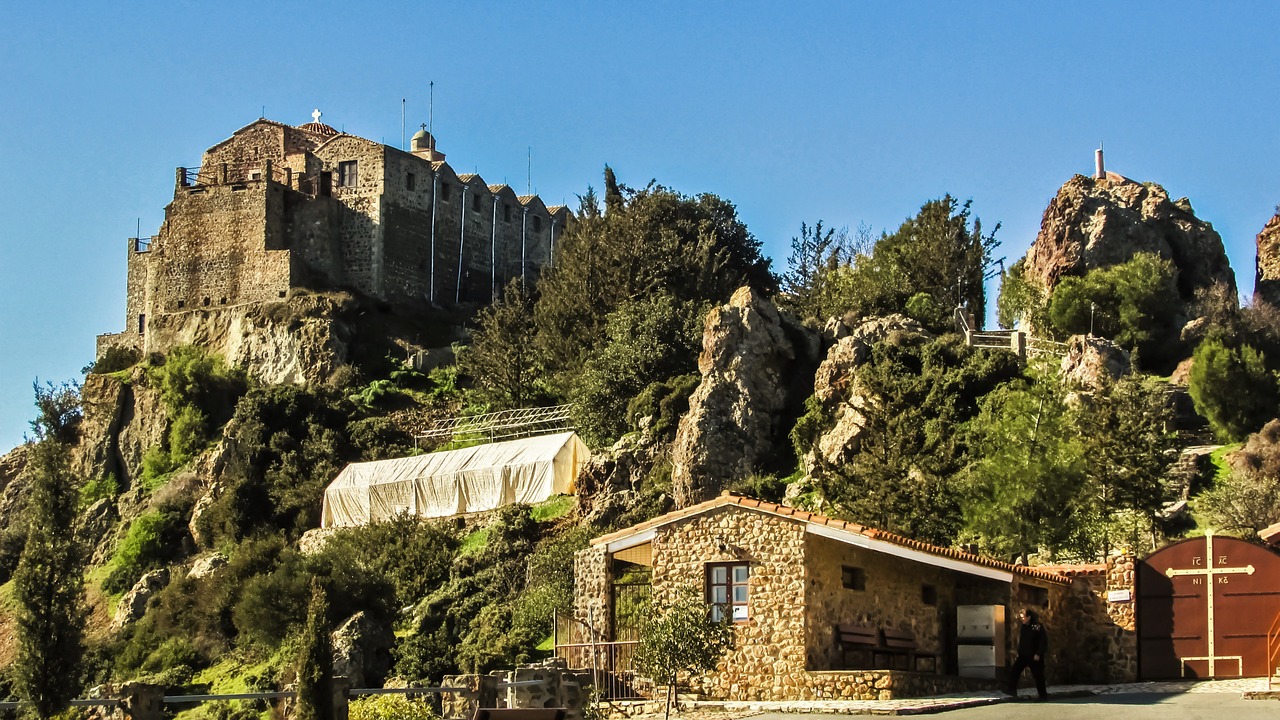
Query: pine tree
{"type": "Point", "coordinates": [315, 660]}
{"type": "Point", "coordinates": [48, 584]}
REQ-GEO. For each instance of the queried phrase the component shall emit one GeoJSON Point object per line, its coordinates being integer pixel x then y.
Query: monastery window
{"type": "Point", "coordinates": [475, 202]}
{"type": "Point", "coordinates": [142, 324]}
{"type": "Point", "coordinates": [537, 223]}
{"type": "Point", "coordinates": [929, 594]}
{"type": "Point", "coordinates": [182, 304]}
{"type": "Point", "coordinates": [410, 182]}
{"type": "Point", "coordinates": [853, 578]}
{"type": "Point", "coordinates": [206, 302]}
{"type": "Point", "coordinates": [348, 175]}
{"type": "Point", "coordinates": [444, 192]}
{"type": "Point", "coordinates": [506, 212]}
{"type": "Point", "coordinates": [727, 590]}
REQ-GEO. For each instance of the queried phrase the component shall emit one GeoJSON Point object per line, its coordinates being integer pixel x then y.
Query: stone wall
{"type": "Point", "coordinates": [213, 248]}
{"type": "Point", "coordinates": [768, 658]}
{"type": "Point", "coordinates": [893, 598]}
{"type": "Point", "coordinates": [591, 581]}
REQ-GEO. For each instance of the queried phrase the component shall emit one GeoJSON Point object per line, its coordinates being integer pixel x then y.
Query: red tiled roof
{"type": "Point", "coordinates": [1270, 534]}
{"type": "Point", "coordinates": [732, 499]}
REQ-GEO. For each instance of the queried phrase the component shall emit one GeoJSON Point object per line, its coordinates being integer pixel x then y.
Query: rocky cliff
{"type": "Point", "coordinates": [1094, 223]}
{"type": "Point", "coordinates": [1266, 286]}
{"type": "Point", "coordinates": [757, 369]}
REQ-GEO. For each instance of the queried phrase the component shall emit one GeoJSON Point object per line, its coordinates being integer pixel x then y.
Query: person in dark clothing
{"type": "Point", "coordinates": [1033, 643]}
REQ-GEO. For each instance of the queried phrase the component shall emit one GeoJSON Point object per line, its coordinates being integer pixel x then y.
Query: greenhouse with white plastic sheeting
{"type": "Point", "coordinates": [455, 482]}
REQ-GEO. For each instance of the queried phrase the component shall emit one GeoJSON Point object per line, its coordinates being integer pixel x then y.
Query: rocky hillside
{"type": "Point", "coordinates": [1094, 223]}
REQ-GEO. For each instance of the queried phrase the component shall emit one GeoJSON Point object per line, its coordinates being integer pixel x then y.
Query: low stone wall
{"type": "Point", "coordinates": [550, 684]}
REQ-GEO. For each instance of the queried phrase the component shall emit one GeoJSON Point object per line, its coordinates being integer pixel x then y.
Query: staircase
{"type": "Point", "coordinates": [1015, 340]}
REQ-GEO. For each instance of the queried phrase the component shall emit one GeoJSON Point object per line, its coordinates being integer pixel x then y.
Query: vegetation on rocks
{"type": "Point", "coordinates": [910, 431]}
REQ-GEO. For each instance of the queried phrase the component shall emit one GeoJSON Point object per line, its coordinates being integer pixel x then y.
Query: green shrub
{"type": "Point", "coordinates": [98, 488]}
{"type": "Point", "coordinates": [1232, 388]}
{"type": "Point", "coordinates": [666, 401]}
{"type": "Point", "coordinates": [172, 653]}
{"type": "Point", "coordinates": [115, 359]}
{"type": "Point", "coordinates": [391, 707]}
{"type": "Point", "coordinates": [151, 539]}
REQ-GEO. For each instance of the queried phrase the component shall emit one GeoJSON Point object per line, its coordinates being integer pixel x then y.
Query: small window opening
{"type": "Point", "coordinates": [853, 578]}
{"type": "Point", "coordinates": [727, 587]}
{"type": "Point", "coordinates": [142, 324]}
{"type": "Point", "coordinates": [222, 301]}
{"type": "Point", "coordinates": [506, 212]}
{"type": "Point", "coordinates": [929, 594]}
{"type": "Point", "coordinates": [282, 293]}
{"type": "Point", "coordinates": [475, 203]}
{"type": "Point", "coordinates": [182, 304]}
{"type": "Point", "coordinates": [206, 302]}
{"type": "Point", "coordinates": [410, 182]}
{"type": "Point", "coordinates": [444, 192]}
{"type": "Point", "coordinates": [348, 175]}
{"type": "Point", "coordinates": [537, 223]}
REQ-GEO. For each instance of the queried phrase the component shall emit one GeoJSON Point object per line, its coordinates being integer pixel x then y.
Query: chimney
{"type": "Point", "coordinates": [1100, 174]}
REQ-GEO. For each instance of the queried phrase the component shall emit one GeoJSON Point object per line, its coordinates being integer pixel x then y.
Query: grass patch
{"type": "Point", "coordinates": [1219, 459]}
{"type": "Point", "coordinates": [548, 644]}
{"type": "Point", "coordinates": [474, 542]}
{"type": "Point", "coordinates": [556, 507]}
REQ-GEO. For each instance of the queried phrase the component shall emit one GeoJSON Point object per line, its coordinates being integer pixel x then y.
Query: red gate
{"type": "Point", "coordinates": [1203, 609]}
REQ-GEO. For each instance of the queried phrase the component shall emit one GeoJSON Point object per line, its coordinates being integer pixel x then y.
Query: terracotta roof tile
{"type": "Point", "coordinates": [727, 498]}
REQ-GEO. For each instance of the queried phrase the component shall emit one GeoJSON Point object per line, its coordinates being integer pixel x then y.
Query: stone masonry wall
{"type": "Point", "coordinates": [768, 658]}
{"type": "Point", "coordinates": [361, 223]}
{"type": "Point", "coordinates": [211, 250]}
{"type": "Point", "coordinates": [591, 581]}
{"type": "Point", "coordinates": [893, 598]}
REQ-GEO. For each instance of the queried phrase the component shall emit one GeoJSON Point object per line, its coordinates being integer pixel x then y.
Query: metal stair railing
{"type": "Point", "coordinates": [1273, 651]}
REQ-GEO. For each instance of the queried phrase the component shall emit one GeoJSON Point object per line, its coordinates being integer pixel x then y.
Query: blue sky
{"type": "Point", "coordinates": [846, 112]}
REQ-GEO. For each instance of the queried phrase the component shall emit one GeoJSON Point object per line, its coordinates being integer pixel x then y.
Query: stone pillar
{"type": "Point", "coordinates": [1123, 650]}
{"type": "Point", "coordinates": [340, 687]}
{"type": "Point", "coordinates": [182, 177]}
{"type": "Point", "coordinates": [142, 702]}
{"type": "Point", "coordinates": [1018, 343]}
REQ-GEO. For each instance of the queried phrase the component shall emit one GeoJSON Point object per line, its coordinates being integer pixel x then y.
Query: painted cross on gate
{"type": "Point", "coordinates": [1217, 574]}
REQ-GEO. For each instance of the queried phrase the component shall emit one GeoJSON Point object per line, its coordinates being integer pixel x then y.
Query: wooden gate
{"type": "Point", "coordinates": [1203, 609]}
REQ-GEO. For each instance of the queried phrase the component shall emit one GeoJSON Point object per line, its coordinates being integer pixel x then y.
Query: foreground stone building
{"type": "Point", "coordinates": [790, 577]}
{"type": "Point", "coordinates": [277, 207]}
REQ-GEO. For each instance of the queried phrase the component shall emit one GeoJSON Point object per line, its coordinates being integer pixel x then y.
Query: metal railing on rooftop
{"type": "Point", "coordinates": [501, 425]}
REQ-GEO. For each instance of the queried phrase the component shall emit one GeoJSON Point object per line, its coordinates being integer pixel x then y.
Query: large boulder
{"type": "Point", "coordinates": [756, 367]}
{"type": "Point", "coordinates": [836, 387]}
{"type": "Point", "coordinates": [1266, 285]}
{"type": "Point", "coordinates": [1092, 362]}
{"type": "Point", "coordinates": [610, 482]}
{"type": "Point", "coordinates": [1093, 223]}
{"type": "Point", "coordinates": [362, 650]}
{"type": "Point", "coordinates": [134, 603]}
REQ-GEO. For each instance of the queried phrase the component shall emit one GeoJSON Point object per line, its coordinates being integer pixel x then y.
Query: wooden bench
{"type": "Point", "coordinates": [519, 714]}
{"type": "Point", "coordinates": [884, 649]}
{"type": "Point", "coordinates": [901, 644]}
{"type": "Point", "coordinates": [857, 639]}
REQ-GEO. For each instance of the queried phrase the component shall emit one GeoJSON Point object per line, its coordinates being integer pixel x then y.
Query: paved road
{"type": "Point", "coordinates": [1126, 706]}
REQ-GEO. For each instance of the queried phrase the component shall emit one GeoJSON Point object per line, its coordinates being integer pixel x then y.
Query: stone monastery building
{"type": "Point", "coordinates": [276, 207]}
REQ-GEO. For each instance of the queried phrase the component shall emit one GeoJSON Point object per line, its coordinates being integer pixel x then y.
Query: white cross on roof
{"type": "Point", "coordinates": [315, 115]}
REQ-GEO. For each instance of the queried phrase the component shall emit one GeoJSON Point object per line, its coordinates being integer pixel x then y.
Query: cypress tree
{"type": "Point", "coordinates": [315, 660]}
{"type": "Point", "coordinates": [48, 584]}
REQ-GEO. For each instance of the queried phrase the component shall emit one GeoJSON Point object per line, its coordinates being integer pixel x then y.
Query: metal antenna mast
{"type": "Point", "coordinates": [431, 109]}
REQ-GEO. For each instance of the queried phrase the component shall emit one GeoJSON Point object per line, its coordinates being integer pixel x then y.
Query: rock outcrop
{"type": "Point", "coordinates": [835, 385]}
{"type": "Point", "coordinates": [1093, 223]}
{"type": "Point", "coordinates": [362, 650]}
{"type": "Point", "coordinates": [609, 484]}
{"type": "Point", "coordinates": [1091, 362]}
{"type": "Point", "coordinates": [301, 340]}
{"type": "Point", "coordinates": [756, 367]}
{"type": "Point", "coordinates": [207, 565]}
{"type": "Point", "coordinates": [1266, 284]}
{"type": "Point", "coordinates": [123, 419]}
{"type": "Point", "coordinates": [134, 602]}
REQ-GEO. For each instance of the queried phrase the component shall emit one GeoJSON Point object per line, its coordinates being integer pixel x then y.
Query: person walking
{"type": "Point", "coordinates": [1033, 643]}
